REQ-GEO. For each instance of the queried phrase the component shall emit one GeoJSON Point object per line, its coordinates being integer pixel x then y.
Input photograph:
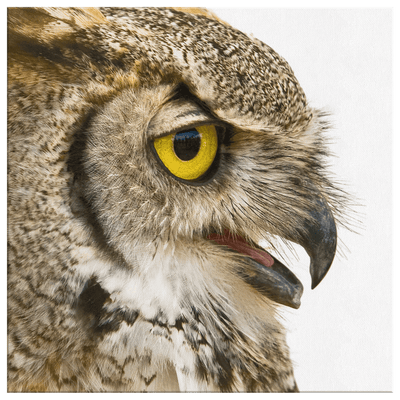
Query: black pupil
{"type": "Point", "coordinates": [187, 144]}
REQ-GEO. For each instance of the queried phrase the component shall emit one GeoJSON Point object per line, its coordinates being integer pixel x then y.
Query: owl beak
{"type": "Point", "coordinates": [276, 281]}
{"type": "Point", "coordinates": [268, 275]}
{"type": "Point", "coordinates": [319, 239]}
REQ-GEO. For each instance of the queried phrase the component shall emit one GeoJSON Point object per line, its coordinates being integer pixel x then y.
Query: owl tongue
{"type": "Point", "coordinates": [236, 242]}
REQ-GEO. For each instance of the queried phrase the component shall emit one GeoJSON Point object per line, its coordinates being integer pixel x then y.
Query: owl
{"type": "Point", "coordinates": [150, 152]}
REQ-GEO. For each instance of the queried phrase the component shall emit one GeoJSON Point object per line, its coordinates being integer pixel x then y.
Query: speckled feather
{"type": "Point", "coordinates": [112, 284]}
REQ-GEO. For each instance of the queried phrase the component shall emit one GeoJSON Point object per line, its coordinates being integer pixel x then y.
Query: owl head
{"type": "Point", "coordinates": [168, 145]}
{"type": "Point", "coordinates": [208, 143]}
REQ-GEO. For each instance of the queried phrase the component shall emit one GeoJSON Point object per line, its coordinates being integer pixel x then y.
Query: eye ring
{"type": "Point", "coordinates": [195, 167]}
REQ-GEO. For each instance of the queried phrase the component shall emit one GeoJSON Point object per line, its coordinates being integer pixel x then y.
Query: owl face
{"type": "Point", "coordinates": [229, 188]}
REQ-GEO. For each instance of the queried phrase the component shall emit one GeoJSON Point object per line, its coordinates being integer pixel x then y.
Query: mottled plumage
{"type": "Point", "coordinates": [114, 283]}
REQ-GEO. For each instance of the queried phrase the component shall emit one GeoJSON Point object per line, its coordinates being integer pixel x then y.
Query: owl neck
{"type": "Point", "coordinates": [217, 332]}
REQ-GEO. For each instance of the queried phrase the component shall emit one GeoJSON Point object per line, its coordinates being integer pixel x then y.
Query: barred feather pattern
{"type": "Point", "coordinates": [112, 283]}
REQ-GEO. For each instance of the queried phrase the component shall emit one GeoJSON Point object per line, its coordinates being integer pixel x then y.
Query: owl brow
{"type": "Point", "coordinates": [181, 114]}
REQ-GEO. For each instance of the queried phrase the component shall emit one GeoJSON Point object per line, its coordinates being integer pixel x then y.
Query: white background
{"type": "Point", "coordinates": [340, 338]}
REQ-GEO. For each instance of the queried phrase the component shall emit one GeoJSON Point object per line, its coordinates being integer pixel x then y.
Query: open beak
{"type": "Point", "coordinates": [316, 234]}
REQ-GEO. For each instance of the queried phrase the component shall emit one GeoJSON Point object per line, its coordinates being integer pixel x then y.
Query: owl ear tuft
{"type": "Point", "coordinates": [43, 41]}
{"type": "Point", "coordinates": [46, 24]}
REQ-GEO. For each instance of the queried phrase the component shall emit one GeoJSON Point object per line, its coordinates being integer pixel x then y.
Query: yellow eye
{"type": "Point", "coordinates": [188, 154]}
